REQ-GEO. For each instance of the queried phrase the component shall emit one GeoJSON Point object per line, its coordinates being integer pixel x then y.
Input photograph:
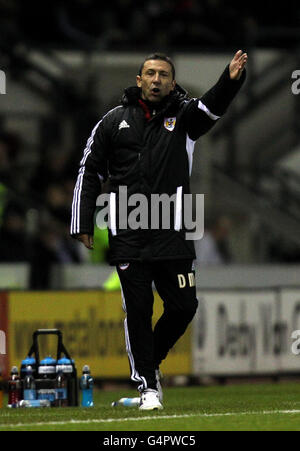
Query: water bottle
{"type": "Point", "coordinates": [33, 403]}
{"type": "Point", "coordinates": [14, 387]}
{"type": "Point", "coordinates": [86, 386]}
{"type": "Point", "coordinates": [29, 386]}
{"type": "Point", "coordinates": [127, 402]}
{"type": "Point", "coordinates": [61, 392]}
{"type": "Point", "coordinates": [67, 366]}
{"type": "Point", "coordinates": [29, 361]}
{"type": "Point", "coordinates": [47, 368]}
{"type": "Point", "coordinates": [64, 365]}
{"type": "Point", "coordinates": [47, 375]}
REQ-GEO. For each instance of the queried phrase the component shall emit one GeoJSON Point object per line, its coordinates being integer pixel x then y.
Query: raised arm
{"type": "Point", "coordinates": [202, 113]}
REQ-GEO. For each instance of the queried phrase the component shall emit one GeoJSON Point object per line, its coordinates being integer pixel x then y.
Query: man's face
{"type": "Point", "coordinates": [156, 80]}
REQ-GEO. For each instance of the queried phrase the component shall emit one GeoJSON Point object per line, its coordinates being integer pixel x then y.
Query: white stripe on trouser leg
{"type": "Point", "coordinates": [134, 373]}
{"type": "Point", "coordinates": [178, 209]}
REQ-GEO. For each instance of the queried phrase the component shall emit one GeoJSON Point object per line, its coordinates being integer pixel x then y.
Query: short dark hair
{"type": "Point", "coordinates": [158, 56]}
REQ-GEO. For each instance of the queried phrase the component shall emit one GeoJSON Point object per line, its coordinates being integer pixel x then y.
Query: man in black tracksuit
{"type": "Point", "coordinates": [146, 145]}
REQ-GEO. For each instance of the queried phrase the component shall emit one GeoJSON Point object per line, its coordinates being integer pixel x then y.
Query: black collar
{"type": "Point", "coordinates": [170, 103]}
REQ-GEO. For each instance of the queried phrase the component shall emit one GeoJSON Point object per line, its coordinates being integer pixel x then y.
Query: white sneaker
{"type": "Point", "coordinates": [150, 400]}
{"type": "Point", "coordinates": [158, 385]}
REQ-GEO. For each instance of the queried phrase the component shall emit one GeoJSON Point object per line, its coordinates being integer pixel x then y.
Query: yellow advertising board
{"type": "Point", "coordinates": [92, 323]}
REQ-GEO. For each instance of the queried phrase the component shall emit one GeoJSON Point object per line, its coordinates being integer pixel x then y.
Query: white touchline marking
{"type": "Point", "coordinates": [160, 417]}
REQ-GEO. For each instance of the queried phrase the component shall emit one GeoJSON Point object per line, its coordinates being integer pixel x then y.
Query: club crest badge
{"type": "Point", "coordinates": [169, 123]}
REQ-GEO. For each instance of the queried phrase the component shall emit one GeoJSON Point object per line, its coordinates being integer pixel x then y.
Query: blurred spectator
{"type": "Point", "coordinates": [3, 201]}
{"type": "Point", "coordinates": [4, 158]}
{"type": "Point", "coordinates": [53, 183]}
{"type": "Point", "coordinates": [53, 245]}
{"type": "Point", "coordinates": [9, 151]}
{"type": "Point", "coordinates": [212, 249]}
{"type": "Point", "coordinates": [9, 20]}
{"type": "Point", "coordinates": [280, 251]}
{"type": "Point", "coordinates": [58, 203]}
{"type": "Point", "coordinates": [54, 168]}
{"type": "Point", "coordinates": [181, 23]}
{"type": "Point", "coordinates": [14, 246]}
{"type": "Point", "coordinates": [9, 147]}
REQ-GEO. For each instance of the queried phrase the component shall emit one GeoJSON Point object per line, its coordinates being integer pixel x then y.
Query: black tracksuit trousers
{"type": "Point", "coordinates": [175, 283]}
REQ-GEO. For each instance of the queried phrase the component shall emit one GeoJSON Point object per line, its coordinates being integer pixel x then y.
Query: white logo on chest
{"type": "Point", "coordinates": [123, 124]}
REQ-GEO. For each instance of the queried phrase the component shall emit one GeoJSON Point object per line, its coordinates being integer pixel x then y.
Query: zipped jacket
{"type": "Point", "coordinates": [148, 152]}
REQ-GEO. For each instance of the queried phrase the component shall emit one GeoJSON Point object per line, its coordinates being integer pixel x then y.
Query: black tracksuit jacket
{"type": "Point", "coordinates": [149, 154]}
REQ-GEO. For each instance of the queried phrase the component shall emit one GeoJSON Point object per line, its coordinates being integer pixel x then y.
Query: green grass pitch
{"type": "Point", "coordinates": [249, 407]}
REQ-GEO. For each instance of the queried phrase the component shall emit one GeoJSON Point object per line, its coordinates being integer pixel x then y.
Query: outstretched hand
{"type": "Point", "coordinates": [237, 65]}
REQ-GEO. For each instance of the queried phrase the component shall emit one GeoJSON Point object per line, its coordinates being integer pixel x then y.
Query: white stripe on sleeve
{"type": "Point", "coordinates": [190, 145]}
{"type": "Point", "coordinates": [204, 108]}
{"type": "Point", "coordinates": [75, 221]}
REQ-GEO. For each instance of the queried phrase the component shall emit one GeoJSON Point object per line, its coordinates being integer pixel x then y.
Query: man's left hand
{"type": "Point", "coordinates": [237, 65]}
